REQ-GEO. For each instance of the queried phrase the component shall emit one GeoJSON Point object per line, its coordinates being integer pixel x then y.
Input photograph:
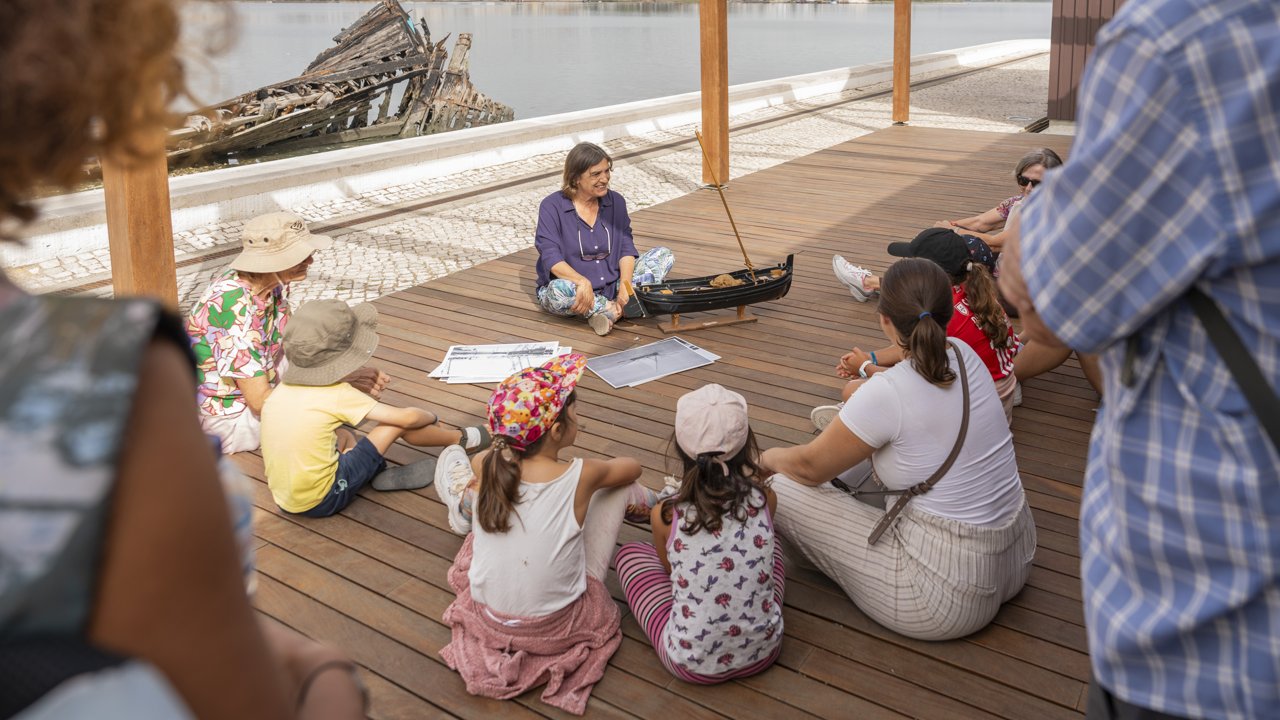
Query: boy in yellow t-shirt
{"type": "Point", "coordinates": [315, 467]}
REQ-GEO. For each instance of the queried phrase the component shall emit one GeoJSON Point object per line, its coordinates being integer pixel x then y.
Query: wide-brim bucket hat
{"type": "Point", "coordinates": [327, 340]}
{"type": "Point", "coordinates": [276, 242]}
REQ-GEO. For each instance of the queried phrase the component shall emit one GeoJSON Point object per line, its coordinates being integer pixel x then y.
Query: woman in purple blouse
{"type": "Point", "coordinates": [585, 246]}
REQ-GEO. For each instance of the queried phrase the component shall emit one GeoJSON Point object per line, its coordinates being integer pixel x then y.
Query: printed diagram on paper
{"type": "Point", "coordinates": [493, 363]}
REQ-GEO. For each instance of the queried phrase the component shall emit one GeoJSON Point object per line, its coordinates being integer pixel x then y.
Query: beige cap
{"type": "Point", "coordinates": [276, 242]}
{"type": "Point", "coordinates": [327, 340]}
{"type": "Point", "coordinates": [712, 420]}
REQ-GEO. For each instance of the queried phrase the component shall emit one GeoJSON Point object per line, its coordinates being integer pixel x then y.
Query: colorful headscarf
{"type": "Point", "coordinates": [525, 405]}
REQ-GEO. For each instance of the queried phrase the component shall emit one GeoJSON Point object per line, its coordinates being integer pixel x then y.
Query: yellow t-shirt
{"type": "Point", "coordinates": [298, 447]}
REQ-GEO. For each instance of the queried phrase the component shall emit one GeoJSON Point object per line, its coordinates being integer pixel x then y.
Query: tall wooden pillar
{"type": "Point", "coordinates": [139, 226]}
{"type": "Point", "coordinates": [901, 61]}
{"type": "Point", "coordinates": [714, 23]}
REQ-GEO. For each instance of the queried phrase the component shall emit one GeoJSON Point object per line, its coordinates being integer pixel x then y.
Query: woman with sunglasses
{"type": "Point", "coordinates": [1028, 174]}
{"type": "Point", "coordinates": [585, 248]}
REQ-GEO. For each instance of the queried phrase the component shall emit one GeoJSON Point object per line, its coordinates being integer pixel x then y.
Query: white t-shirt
{"type": "Point", "coordinates": [914, 424]}
{"type": "Point", "coordinates": [540, 565]}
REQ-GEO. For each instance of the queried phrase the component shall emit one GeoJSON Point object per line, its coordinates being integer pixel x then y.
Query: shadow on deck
{"type": "Point", "coordinates": [372, 580]}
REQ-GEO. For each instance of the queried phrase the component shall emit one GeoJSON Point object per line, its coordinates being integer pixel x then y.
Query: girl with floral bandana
{"type": "Point", "coordinates": [531, 602]}
{"type": "Point", "coordinates": [708, 592]}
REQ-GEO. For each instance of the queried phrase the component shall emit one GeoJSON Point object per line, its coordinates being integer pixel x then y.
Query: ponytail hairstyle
{"type": "Point", "coordinates": [713, 494]}
{"type": "Point", "coordinates": [984, 302]}
{"type": "Point", "coordinates": [915, 296]}
{"type": "Point", "coordinates": [499, 490]}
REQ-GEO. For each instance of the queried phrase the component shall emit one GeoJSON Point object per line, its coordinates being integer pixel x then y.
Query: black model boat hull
{"type": "Point", "coordinates": [697, 294]}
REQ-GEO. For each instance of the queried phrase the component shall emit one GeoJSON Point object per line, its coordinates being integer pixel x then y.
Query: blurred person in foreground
{"type": "Point", "coordinates": [1171, 199]}
{"type": "Point", "coordinates": [121, 588]}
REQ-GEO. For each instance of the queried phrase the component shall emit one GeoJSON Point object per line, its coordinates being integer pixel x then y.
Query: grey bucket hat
{"type": "Point", "coordinates": [327, 340]}
{"type": "Point", "coordinates": [276, 242]}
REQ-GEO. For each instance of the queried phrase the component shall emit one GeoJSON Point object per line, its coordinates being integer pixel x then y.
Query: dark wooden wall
{"type": "Point", "coordinates": [1075, 24]}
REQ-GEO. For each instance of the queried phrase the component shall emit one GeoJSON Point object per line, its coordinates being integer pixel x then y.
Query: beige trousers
{"type": "Point", "coordinates": [929, 577]}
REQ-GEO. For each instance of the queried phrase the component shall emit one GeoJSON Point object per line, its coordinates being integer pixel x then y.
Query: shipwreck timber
{"type": "Point", "coordinates": [383, 78]}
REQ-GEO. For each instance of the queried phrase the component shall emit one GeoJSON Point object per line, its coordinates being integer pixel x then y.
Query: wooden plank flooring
{"type": "Point", "coordinates": [372, 580]}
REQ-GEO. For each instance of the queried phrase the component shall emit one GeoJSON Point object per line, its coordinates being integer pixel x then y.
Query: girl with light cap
{"type": "Point", "coordinates": [708, 591]}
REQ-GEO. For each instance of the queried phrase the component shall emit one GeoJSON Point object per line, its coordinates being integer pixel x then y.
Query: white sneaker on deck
{"type": "Point", "coordinates": [453, 474]}
{"type": "Point", "coordinates": [853, 277]}
{"type": "Point", "coordinates": [824, 414]}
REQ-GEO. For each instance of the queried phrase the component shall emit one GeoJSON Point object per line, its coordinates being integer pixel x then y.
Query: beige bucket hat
{"type": "Point", "coordinates": [327, 340]}
{"type": "Point", "coordinates": [276, 242]}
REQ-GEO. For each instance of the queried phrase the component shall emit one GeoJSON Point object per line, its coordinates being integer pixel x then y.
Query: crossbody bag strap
{"type": "Point", "coordinates": [924, 487]}
{"type": "Point", "coordinates": [1253, 384]}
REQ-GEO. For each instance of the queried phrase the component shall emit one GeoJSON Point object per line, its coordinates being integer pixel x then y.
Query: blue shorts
{"type": "Point", "coordinates": [356, 467]}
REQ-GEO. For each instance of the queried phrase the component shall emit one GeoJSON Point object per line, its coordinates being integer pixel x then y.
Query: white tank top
{"type": "Point", "coordinates": [539, 565]}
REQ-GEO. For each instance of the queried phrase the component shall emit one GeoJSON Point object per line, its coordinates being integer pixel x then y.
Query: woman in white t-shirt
{"type": "Point", "coordinates": [955, 553]}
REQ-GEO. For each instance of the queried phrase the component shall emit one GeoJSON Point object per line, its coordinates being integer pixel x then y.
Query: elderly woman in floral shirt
{"type": "Point", "coordinates": [237, 325]}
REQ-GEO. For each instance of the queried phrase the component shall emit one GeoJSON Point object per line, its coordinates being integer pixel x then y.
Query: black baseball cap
{"type": "Point", "coordinates": [943, 246]}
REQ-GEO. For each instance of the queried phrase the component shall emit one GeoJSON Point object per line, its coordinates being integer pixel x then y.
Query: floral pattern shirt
{"type": "Point", "coordinates": [235, 335]}
{"type": "Point", "coordinates": [1007, 205]}
{"type": "Point", "coordinates": [725, 614]}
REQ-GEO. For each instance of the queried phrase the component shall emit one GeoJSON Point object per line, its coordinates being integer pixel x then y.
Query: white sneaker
{"type": "Point", "coordinates": [853, 277]}
{"type": "Point", "coordinates": [824, 414]}
{"type": "Point", "coordinates": [453, 474]}
{"type": "Point", "coordinates": [1017, 395]}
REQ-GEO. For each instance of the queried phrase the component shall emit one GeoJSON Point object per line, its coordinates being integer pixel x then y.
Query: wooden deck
{"type": "Point", "coordinates": [372, 580]}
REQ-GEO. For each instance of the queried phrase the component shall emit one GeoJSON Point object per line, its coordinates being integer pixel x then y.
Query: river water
{"type": "Point", "coordinates": [547, 58]}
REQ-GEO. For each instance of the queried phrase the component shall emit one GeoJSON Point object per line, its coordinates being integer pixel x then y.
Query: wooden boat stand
{"type": "Point", "coordinates": [676, 326]}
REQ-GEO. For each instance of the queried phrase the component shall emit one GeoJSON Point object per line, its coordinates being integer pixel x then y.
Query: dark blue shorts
{"type": "Point", "coordinates": [356, 467]}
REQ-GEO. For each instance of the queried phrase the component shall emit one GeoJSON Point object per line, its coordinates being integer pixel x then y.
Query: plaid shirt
{"type": "Point", "coordinates": [1174, 180]}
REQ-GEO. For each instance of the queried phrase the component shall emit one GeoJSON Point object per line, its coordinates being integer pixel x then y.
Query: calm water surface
{"type": "Point", "coordinates": [547, 58]}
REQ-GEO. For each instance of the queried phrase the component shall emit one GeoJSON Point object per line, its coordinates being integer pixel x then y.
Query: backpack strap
{"type": "Point", "coordinates": [1248, 376]}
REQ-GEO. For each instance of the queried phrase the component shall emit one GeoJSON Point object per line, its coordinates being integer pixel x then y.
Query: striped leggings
{"type": "Point", "coordinates": [647, 586]}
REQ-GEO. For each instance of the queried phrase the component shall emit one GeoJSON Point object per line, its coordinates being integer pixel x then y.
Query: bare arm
{"type": "Point", "coordinates": [409, 418]}
{"type": "Point", "coordinates": [626, 268]}
{"type": "Point", "coordinates": [601, 475]}
{"type": "Point", "coordinates": [255, 391]}
{"type": "Point", "coordinates": [661, 531]}
{"type": "Point", "coordinates": [170, 588]}
{"type": "Point", "coordinates": [886, 357]}
{"type": "Point", "coordinates": [821, 459]}
{"type": "Point", "coordinates": [984, 222]}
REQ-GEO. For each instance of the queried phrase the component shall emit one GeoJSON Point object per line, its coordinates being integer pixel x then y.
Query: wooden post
{"type": "Point", "coordinates": [714, 23]}
{"type": "Point", "coordinates": [901, 61]}
{"type": "Point", "coordinates": [139, 226]}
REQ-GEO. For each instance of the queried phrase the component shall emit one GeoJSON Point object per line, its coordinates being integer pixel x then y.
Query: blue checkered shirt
{"type": "Point", "coordinates": [1174, 181]}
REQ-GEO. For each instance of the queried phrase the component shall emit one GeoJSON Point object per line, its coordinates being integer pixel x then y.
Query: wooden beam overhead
{"type": "Point", "coordinates": [139, 226]}
{"type": "Point", "coordinates": [901, 61]}
{"type": "Point", "coordinates": [714, 24]}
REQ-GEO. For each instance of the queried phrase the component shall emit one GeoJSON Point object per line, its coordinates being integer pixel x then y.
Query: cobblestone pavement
{"type": "Point", "coordinates": [377, 257]}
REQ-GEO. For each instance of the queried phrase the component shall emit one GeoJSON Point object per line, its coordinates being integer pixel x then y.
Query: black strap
{"type": "Point", "coordinates": [924, 487]}
{"type": "Point", "coordinates": [1253, 384]}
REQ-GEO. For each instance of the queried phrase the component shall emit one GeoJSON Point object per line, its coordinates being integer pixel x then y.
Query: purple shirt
{"type": "Point", "coordinates": [563, 235]}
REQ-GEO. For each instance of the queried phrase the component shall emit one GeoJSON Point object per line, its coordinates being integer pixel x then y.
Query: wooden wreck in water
{"type": "Point", "coordinates": [347, 94]}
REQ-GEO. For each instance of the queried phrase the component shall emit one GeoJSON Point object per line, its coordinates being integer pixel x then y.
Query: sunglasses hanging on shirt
{"type": "Point", "coordinates": [596, 255]}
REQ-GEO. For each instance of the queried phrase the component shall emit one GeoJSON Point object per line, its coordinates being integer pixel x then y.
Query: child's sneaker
{"type": "Point", "coordinates": [853, 276]}
{"type": "Point", "coordinates": [475, 438]}
{"type": "Point", "coordinates": [824, 414]}
{"type": "Point", "coordinates": [453, 474]}
{"type": "Point", "coordinates": [1017, 395]}
{"type": "Point", "coordinates": [406, 477]}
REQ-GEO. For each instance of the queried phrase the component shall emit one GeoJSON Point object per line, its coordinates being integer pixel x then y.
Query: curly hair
{"type": "Point", "coordinates": [80, 78]}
